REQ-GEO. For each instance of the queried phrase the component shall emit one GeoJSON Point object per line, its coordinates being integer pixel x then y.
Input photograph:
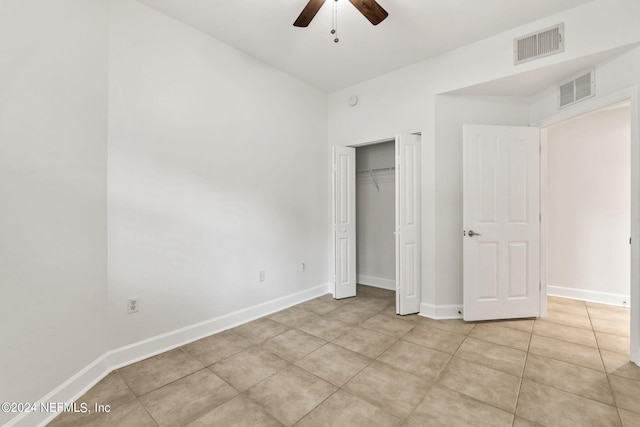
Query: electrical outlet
{"type": "Point", "coordinates": [302, 266]}
{"type": "Point", "coordinates": [132, 306]}
{"type": "Point", "coordinates": [261, 278]}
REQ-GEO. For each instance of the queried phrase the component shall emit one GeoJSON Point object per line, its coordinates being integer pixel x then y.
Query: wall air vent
{"type": "Point", "coordinates": [539, 44]}
{"type": "Point", "coordinates": [578, 88]}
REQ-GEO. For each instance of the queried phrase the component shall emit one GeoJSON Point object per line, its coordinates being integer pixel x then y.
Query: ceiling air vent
{"type": "Point", "coordinates": [578, 88]}
{"type": "Point", "coordinates": [539, 44]}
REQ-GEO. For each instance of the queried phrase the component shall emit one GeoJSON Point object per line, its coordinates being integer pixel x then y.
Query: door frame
{"type": "Point", "coordinates": [630, 94]}
{"type": "Point", "coordinates": [332, 259]}
{"type": "Point", "coordinates": [367, 144]}
{"type": "Point", "coordinates": [419, 183]}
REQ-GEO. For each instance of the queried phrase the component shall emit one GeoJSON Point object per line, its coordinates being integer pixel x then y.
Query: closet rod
{"type": "Point", "coordinates": [376, 169]}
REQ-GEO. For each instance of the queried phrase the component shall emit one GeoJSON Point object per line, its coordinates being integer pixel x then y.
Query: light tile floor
{"type": "Point", "coordinates": [355, 363]}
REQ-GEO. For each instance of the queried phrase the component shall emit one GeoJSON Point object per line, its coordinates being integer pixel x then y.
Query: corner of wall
{"type": "Point", "coordinates": [81, 382]}
{"type": "Point", "coordinates": [441, 312]}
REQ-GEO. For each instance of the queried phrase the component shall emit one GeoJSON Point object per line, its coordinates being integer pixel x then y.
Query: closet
{"type": "Point", "coordinates": [375, 215]}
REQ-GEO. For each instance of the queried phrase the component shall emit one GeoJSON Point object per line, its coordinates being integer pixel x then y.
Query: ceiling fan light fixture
{"type": "Point", "coordinates": [370, 9]}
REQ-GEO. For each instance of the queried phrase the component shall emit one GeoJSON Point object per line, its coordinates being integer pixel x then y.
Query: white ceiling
{"type": "Point", "coordinates": [414, 30]}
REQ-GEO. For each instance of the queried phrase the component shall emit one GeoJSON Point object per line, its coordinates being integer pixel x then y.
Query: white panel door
{"type": "Point", "coordinates": [344, 221]}
{"type": "Point", "coordinates": [408, 230]}
{"type": "Point", "coordinates": [501, 203]}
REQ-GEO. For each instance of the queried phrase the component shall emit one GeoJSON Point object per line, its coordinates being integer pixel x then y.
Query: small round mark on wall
{"type": "Point", "coordinates": [353, 100]}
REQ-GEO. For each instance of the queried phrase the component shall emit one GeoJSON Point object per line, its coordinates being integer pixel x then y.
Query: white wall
{"type": "Point", "coordinates": [53, 154]}
{"type": "Point", "coordinates": [617, 74]}
{"type": "Point", "coordinates": [594, 27]}
{"type": "Point", "coordinates": [589, 206]}
{"type": "Point", "coordinates": [375, 211]}
{"type": "Point", "coordinates": [217, 170]}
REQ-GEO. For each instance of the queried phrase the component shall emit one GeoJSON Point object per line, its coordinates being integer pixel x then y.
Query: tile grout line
{"type": "Point", "coordinates": [136, 397]}
{"type": "Point", "coordinates": [437, 377]}
{"type": "Point", "coordinates": [289, 365]}
{"type": "Point", "coordinates": [613, 396]}
{"type": "Point", "coordinates": [175, 381]}
{"type": "Point", "coordinates": [580, 366]}
{"type": "Point", "coordinates": [340, 388]}
{"type": "Point", "coordinates": [573, 364]}
{"type": "Point", "coordinates": [245, 395]}
{"type": "Point", "coordinates": [405, 419]}
{"type": "Point", "coordinates": [314, 408]}
{"type": "Point", "coordinates": [606, 373]}
{"type": "Point", "coordinates": [147, 411]}
{"type": "Point", "coordinates": [373, 359]}
{"type": "Point", "coordinates": [524, 367]}
{"type": "Point", "coordinates": [132, 393]}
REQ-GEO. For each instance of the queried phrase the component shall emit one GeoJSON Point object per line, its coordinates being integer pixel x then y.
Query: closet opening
{"type": "Point", "coordinates": [379, 242]}
{"type": "Point", "coordinates": [375, 215]}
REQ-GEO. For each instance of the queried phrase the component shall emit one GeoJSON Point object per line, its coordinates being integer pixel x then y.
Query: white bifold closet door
{"type": "Point", "coordinates": [408, 221]}
{"type": "Point", "coordinates": [344, 221]}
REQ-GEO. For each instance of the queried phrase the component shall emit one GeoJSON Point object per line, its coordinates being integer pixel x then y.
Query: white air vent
{"type": "Point", "coordinates": [539, 44]}
{"type": "Point", "coordinates": [578, 88]}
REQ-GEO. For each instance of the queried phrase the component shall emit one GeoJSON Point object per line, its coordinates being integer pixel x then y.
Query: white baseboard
{"type": "Point", "coordinates": [80, 383]}
{"type": "Point", "coordinates": [591, 296]}
{"type": "Point", "coordinates": [376, 282]}
{"type": "Point", "coordinates": [441, 312]}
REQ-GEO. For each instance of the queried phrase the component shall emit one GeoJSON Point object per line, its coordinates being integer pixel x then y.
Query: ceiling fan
{"type": "Point", "coordinates": [369, 8]}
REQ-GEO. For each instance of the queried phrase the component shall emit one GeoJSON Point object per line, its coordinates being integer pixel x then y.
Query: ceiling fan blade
{"type": "Point", "coordinates": [308, 13]}
{"type": "Point", "coordinates": [371, 10]}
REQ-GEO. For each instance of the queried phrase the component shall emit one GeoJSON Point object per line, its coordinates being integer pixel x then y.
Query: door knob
{"type": "Point", "coordinates": [473, 233]}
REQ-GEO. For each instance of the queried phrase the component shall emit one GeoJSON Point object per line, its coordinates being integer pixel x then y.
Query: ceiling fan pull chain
{"type": "Point", "coordinates": [334, 30]}
{"type": "Point", "coordinates": [369, 8]}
